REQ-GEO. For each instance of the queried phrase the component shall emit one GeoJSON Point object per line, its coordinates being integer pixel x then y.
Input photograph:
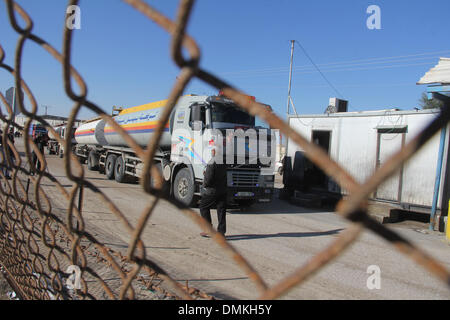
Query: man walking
{"type": "Point", "coordinates": [40, 141]}
{"type": "Point", "coordinates": [214, 193]}
{"type": "Point", "coordinates": [7, 151]}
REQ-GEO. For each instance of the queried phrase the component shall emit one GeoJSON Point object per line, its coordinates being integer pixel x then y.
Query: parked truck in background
{"type": "Point", "coordinates": [197, 124]}
{"type": "Point", "coordinates": [36, 129]}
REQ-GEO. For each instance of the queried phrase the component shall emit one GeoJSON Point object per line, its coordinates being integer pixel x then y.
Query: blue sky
{"type": "Point", "coordinates": [125, 60]}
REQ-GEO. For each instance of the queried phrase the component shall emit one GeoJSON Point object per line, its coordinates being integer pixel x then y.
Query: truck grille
{"type": "Point", "coordinates": [245, 179]}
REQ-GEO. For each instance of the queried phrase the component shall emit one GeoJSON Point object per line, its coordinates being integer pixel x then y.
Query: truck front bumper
{"type": "Point", "coordinates": [236, 195]}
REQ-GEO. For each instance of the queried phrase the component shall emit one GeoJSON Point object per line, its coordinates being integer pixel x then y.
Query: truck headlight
{"type": "Point", "coordinates": [269, 178]}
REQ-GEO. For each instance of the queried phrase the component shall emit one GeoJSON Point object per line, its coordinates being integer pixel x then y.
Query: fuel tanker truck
{"type": "Point", "coordinates": [197, 124]}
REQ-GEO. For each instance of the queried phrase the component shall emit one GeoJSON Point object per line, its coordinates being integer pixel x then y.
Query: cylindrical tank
{"type": "Point", "coordinates": [91, 132]}
{"type": "Point", "coordinates": [140, 123]}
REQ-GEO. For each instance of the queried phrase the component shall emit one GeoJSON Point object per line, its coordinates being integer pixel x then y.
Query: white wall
{"type": "Point", "coordinates": [354, 147]}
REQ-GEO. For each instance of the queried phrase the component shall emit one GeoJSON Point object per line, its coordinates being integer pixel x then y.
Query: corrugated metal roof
{"type": "Point", "coordinates": [439, 74]}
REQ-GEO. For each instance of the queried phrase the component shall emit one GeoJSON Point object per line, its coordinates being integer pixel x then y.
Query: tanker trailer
{"type": "Point", "coordinates": [196, 124]}
{"type": "Point", "coordinates": [90, 138]}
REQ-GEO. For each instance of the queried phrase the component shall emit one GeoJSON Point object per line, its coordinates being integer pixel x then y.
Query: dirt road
{"type": "Point", "coordinates": [276, 239]}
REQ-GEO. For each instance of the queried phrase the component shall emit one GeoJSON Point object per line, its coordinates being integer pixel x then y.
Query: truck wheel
{"type": "Point", "coordinates": [92, 160]}
{"type": "Point", "coordinates": [183, 188]}
{"type": "Point", "coordinates": [110, 166]}
{"type": "Point", "coordinates": [119, 170]}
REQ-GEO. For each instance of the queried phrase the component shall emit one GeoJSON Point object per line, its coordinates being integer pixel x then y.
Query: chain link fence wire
{"type": "Point", "coordinates": [38, 242]}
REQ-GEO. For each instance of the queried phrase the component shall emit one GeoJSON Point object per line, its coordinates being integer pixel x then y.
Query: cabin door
{"type": "Point", "coordinates": [322, 139]}
{"type": "Point", "coordinates": [389, 142]}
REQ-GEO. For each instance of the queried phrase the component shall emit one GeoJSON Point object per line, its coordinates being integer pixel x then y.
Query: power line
{"type": "Point", "coordinates": [343, 69]}
{"type": "Point", "coordinates": [372, 68]}
{"type": "Point", "coordinates": [321, 73]}
{"type": "Point", "coordinates": [350, 65]}
{"type": "Point", "coordinates": [388, 59]}
{"type": "Point", "coordinates": [379, 60]}
{"type": "Point", "coordinates": [359, 85]}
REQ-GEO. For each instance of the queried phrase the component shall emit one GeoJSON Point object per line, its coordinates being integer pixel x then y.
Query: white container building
{"type": "Point", "coordinates": [362, 141]}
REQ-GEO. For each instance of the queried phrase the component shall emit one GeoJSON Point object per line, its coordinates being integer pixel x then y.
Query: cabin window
{"type": "Point", "coordinates": [392, 129]}
{"type": "Point", "coordinates": [197, 115]}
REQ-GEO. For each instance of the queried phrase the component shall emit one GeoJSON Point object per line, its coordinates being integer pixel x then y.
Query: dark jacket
{"type": "Point", "coordinates": [215, 178]}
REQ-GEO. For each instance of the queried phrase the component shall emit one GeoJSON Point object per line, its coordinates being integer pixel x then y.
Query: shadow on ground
{"type": "Point", "coordinates": [282, 235]}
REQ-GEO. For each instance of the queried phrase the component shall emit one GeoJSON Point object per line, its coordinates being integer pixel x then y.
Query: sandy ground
{"type": "Point", "coordinates": [275, 238]}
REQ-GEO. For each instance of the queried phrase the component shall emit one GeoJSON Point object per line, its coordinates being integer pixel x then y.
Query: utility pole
{"type": "Point", "coordinates": [46, 109]}
{"type": "Point", "coordinates": [289, 88]}
{"type": "Point", "coordinates": [290, 77]}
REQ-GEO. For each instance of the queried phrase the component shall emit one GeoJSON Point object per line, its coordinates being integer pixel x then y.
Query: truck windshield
{"type": "Point", "coordinates": [224, 115]}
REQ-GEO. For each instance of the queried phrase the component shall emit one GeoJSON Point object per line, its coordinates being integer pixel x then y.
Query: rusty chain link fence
{"type": "Point", "coordinates": [38, 242]}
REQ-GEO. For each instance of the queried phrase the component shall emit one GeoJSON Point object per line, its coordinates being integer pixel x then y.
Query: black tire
{"type": "Point", "coordinates": [183, 187]}
{"type": "Point", "coordinates": [110, 166]}
{"type": "Point", "coordinates": [119, 170]}
{"type": "Point", "coordinates": [93, 160]}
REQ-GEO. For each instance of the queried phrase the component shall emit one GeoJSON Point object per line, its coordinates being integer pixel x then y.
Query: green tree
{"type": "Point", "coordinates": [426, 103]}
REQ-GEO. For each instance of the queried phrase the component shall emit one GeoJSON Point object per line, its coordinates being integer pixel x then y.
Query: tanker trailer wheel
{"type": "Point", "coordinates": [183, 188]}
{"type": "Point", "coordinates": [110, 166]}
{"type": "Point", "coordinates": [92, 161]}
{"type": "Point", "coordinates": [119, 170]}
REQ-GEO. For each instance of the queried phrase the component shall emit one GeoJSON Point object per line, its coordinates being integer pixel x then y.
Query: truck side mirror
{"type": "Point", "coordinates": [197, 117]}
{"type": "Point", "coordinates": [197, 125]}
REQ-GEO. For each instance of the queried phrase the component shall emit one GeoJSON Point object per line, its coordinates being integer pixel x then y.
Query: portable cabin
{"type": "Point", "coordinates": [361, 142]}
